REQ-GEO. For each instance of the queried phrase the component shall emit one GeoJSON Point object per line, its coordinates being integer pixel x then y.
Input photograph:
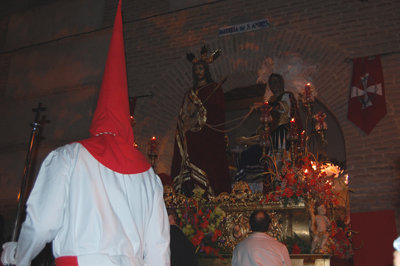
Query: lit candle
{"type": "Point", "coordinates": [293, 129]}
{"type": "Point", "coordinates": [302, 139]}
{"type": "Point", "coordinates": [153, 151]}
{"type": "Point", "coordinates": [266, 116]}
{"type": "Point", "coordinates": [153, 145]}
{"type": "Point", "coordinates": [307, 91]}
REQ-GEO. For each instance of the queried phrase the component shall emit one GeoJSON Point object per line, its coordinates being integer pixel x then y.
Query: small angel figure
{"type": "Point", "coordinates": [320, 124]}
{"type": "Point", "coordinates": [319, 227]}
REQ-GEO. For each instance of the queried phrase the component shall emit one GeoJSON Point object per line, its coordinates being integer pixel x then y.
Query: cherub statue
{"type": "Point", "coordinates": [319, 228]}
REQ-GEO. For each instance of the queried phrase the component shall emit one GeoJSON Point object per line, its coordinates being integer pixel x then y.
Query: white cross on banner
{"type": "Point", "coordinates": [367, 105]}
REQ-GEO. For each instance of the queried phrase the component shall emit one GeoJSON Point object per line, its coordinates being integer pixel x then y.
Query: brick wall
{"type": "Point", "coordinates": [325, 34]}
{"type": "Point", "coordinates": [64, 70]}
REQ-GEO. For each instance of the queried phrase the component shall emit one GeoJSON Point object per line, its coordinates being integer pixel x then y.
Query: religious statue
{"type": "Point", "coordinates": [274, 135]}
{"type": "Point", "coordinates": [200, 152]}
{"type": "Point", "coordinates": [284, 109]}
{"type": "Point", "coordinates": [319, 228]}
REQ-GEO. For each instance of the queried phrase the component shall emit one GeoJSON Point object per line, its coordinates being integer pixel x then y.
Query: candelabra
{"type": "Point", "coordinates": [152, 151]}
{"type": "Point", "coordinates": [293, 138]}
{"type": "Point", "coordinates": [307, 97]}
{"type": "Point", "coordinates": [321, 127]}
{"type": "Point", "coordinates": [265, 120]}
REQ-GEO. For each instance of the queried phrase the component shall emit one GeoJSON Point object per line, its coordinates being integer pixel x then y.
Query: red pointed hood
{"type": "Point", "coordinates": [111, 141]}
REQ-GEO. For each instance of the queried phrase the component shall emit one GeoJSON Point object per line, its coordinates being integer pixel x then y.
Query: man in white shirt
{"type": "Point", "coordinates": [259, 248]}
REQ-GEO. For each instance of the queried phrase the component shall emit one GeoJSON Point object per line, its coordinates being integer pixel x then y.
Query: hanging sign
{"type": "Point", "coordinates": [244, 27]}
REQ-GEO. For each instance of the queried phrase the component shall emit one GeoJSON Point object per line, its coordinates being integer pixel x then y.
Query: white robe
{"type": "Point", "coordinates": [260, 249]}
{"type": "Point", "coordinates": [89, 211]}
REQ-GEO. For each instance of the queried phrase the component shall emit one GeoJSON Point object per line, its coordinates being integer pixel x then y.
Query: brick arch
{"type": "Point", "coordinates": [242, 56]}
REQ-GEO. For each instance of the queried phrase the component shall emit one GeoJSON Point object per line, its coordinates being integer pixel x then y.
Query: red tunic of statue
{"type": "Point", "coordinates": [206, 148]}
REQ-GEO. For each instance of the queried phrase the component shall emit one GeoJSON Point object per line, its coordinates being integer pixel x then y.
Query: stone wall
{"type": "Point", "coordinates": [55, 52]}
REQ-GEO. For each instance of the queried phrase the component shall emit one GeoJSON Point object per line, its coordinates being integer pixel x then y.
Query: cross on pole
{"type": "Point", "coordinates": [23, 194]}
{"type": "Point", "coordinates": [37, 110]}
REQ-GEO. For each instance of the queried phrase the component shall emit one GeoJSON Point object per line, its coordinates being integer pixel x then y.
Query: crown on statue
{"type": "Point", "coordinates": [204, 56]}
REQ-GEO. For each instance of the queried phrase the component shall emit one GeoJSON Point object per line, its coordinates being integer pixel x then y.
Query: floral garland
{"type": "Point", "coordinates": [202, 224]}
{"type": "Point", "coordinates": [302, 181]}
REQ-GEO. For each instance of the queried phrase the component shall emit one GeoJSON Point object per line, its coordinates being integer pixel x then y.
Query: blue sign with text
{"type": "Point", "coordinates": [248, 26]}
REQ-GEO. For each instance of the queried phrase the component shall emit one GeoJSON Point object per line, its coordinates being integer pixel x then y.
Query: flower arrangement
{"type": "Point", "coordinates": [301, 181]}
{"type": "Point", "coordinates": [202, 224]}
{"type": "Point", "coordinates": [312, 182]}
{"type": "Point", "coordinates": [341, 244]}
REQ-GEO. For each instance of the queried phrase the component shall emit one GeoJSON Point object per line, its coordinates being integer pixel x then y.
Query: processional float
{"type": "Point", "coordinates": [301, 190]}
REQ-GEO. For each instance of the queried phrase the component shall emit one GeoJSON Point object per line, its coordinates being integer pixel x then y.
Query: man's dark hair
{"type": "Point", "coordinates": [275, 76]}
{"type": "Point", "coordinates": [259, 223]}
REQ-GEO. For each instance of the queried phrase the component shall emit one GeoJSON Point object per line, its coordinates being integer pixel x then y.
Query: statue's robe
{"type": "Point", "coordinates": [207, 147]}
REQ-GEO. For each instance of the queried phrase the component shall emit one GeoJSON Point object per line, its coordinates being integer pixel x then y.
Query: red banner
{"type": "Point", "coordinates": [367, 105]}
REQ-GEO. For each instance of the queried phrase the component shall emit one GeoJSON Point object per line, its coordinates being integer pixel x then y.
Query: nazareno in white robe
{"type": "Point", "coordinates": [89, 211]}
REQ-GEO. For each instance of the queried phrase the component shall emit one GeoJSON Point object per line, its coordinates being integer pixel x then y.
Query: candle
{"type": "Point", "coordinates": [132, 120]}
{"type": "Point", "coordinates": [153, 151]}
{"type": "Point", "coordinates": [302, 138]}
{"type": "Point", "coordinates": [307, 92]}
{"type": "Point", "coordinates": [266, 115]}
{"type": "Point", "coordinates": [153, 145]}
{"type": "Point", "coordinates": [293, 129]}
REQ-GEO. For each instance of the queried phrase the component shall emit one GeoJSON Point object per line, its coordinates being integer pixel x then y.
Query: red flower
{"type": "Point", "coordinates": [340, 235]}
{"type": "Point", "coordinates": [204, 224]}
{"type": "Point", "coordinates": [296, 249]}
{"type": "Point", "coordinates": [335, 202]}
{"type": "Point", "coordinates": [288, 192]}
{"type": "Point", "coordinates": [274, 197]}
{"type": "Point", "coordinates": [217, 233]}
{"type": "Point", "coordinates": [267, 198]}
{"type": "Point", "coordinates": [290, 177]}
{"type": "Point", "coordinates": [208, 250]}
{"type": "Point", "coordinates": [196, 240]}
{"type": "Point", "coordinates": [333, 248]}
